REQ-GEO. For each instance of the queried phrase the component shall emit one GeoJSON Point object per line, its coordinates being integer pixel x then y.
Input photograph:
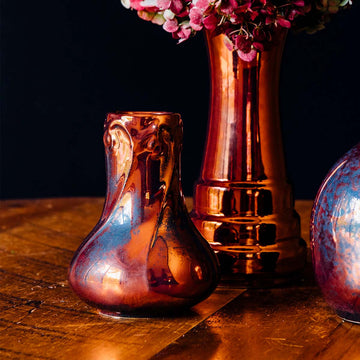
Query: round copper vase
{"type": "Point", "coordinates": [144, 257]}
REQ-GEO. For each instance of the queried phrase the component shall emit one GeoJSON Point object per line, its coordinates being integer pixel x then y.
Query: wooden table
{"type": "Point", "coordinates": [41, 318]}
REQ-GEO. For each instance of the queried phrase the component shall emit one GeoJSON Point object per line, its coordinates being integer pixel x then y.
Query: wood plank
{"type": "Point", "coordinates": [344, 343]}
{"type": "Point", "coordinates": [44, 243]}
{"type": "Point", "coordinates": [290, 323]}
{"type": "Point", "coordinates": [76, 219]}
{"type": "Point", "coordinates": [15, 212]}
{"type": "Point", "coordinates": [46, 329]}
{"type": "Point", "coordinates": [41, 318]}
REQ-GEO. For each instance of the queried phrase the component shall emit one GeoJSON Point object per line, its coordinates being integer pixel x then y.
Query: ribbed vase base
{"type": "Point", "coordinates": [256, 258]}
{"type": "Point", "coordinates": [253, 228]}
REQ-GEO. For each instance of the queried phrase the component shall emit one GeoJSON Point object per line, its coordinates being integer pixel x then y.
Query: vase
{"type": "Point", "coordinates": [335, 236]}
{"type": "Point", "coordinates": [144, 257]}
{"type": "Point", "coordinates": [243, 203]}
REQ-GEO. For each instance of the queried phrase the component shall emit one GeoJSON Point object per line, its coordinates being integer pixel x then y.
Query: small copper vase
{"type": "Point", "coordinates": [243, 204]}
{"type": "Point", "coordinates": [144, 257]}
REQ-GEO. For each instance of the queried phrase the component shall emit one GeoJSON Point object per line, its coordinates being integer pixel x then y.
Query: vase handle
{"type": "Point", "coordinates": [119, 159]}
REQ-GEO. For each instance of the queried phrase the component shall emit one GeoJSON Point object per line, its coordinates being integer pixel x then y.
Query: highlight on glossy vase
{"type": "Point", "coordinates": [144, 256]}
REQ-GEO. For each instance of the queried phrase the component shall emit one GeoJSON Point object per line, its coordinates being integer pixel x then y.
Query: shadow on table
{"type": "Point", "coordinates": [198, 345]}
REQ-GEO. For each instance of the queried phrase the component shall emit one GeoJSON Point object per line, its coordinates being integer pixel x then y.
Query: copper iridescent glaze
{"type": "Point", "coordinates": [243, 204]}
{"type": "Point", "coordinates": [144, 256]}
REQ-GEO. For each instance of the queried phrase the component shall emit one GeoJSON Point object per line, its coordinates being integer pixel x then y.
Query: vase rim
{"type": "Point", "coordinates": [145, 113]}
{"type": "Point", "coordinates": [171, 119]}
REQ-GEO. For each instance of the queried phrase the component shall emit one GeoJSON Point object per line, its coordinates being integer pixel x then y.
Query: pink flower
{"type": "Point", "coordinates": [210, 22]}
{"type": "Point", "coordinates": [201, 4]}
{"type": "Point", "coordinates": [283, 22]}
{"type": "Point", "coordinates": [155, 18]}
{"type": "Point", "coordinates": [168, 14]}
{"type": "Point", "coordinates": [243, 43]}
{"type": "Point", "coordinates": [259, 35]}
{"type": "Point", "coordinates": [292, 14]}
{"type": "Point", "coordinates": [250, 56]}
{"type": "Point", "coordinates": [228, 6]}
{"type": "Point", "coordinates": [249, 25]}
{"type": "Point", "coordinates": [253, 15]}
{"type": "Point", "coordinates": [269, 20]}
{"type": "Point", "coordinates": [145, 15]}
{"type": "Point", "coordinates": [299, 3]}
{"type": "Point", "coordinates": [196, 16]}
{"type": "Point", "coordinates": [149, 4]}
{"type": "Point", "coordinates": [136, 4]}
{"type": "Point", "coordinates": [228, 43]}
{"type": "Point", "coordinates": [171, 25]}
{"type": "Point", "coordinates": [126, 3]}
{"type": "Point", "coordinates": [258, 46]}
{"type": "Point", "coordinates": [163, 4]}
{"type": "Point", "coordinates": [177, 6]}
{"type": "Point", "coordinates": [182, 34]}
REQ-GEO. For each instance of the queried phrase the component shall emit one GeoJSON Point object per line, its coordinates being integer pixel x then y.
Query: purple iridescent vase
{"type": "Point", "coordinates": [335, 236]}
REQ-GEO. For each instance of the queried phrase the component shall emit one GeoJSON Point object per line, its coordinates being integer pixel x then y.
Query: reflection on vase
{"type": "Point", "coordinates": [144, 256]}
{"type": "Point", "coordinates": [243, 204]}
{"type": "Point", "coordinates": [335, 236]}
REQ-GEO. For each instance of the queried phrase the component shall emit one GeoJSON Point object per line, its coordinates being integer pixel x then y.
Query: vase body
{"type": "Point", "coordinates": [144, 256]}
{"type": "Point", "coordinates": [243, 204]}
{"type": "Point", "coordinates": [335, 236]}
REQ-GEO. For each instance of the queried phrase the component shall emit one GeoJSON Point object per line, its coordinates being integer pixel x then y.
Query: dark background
{"type": "Point", "coordinates": [66, 63]}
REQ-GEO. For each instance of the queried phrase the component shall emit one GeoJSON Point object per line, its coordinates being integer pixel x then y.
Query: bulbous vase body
{"type": "Point", "coordinates": [335, 236]}
{"type": "Point", "coordinates": [243, 203]}
{"type": "Point", "coordinates": [144, 256]}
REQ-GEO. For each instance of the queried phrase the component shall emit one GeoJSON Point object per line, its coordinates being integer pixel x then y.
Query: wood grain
{"type": "Point", "coordinates": [42, 319]}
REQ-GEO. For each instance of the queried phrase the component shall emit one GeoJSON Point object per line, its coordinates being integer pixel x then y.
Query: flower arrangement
{"type": "Point", "coordinates": [249, 25]}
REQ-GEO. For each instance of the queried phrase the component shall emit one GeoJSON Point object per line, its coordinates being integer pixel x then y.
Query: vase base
{"type": "Point", "coordinates": [265, 247]}
{"type": "Point", "coordinates": [135, 314]}
{"type": "Point", "coordinates": [111, 314]}
{"type": "Point", "coordinates": [130, 315]}
{"type": "Point", "coordinates": [349, 317]}
{"type": "Point", "coordinates": [150, 312]}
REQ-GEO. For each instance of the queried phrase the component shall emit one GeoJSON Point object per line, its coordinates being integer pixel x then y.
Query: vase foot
{"type": "Point", "coordinates": [124, 315]}
{"type": "Point", "coordinates": [150, 313]}
{"type": "Point", "coordinates": [255, 260]}
{"type": "Point", "coordinates": [111, 314]}
{"type": "Point", "coordinates": [349, 317]}
{"type": "Point", "coordinates": [248, 229]}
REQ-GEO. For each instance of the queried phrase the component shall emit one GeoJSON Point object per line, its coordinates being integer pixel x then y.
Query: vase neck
{"type": "Point", "coordinates": [244, 95]}
{"type": "Point", "coordinates": [142, 160]}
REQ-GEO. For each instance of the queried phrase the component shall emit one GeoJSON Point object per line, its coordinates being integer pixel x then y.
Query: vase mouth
{"type": "Point", "coordinates": [145, 118]}
{"type": "Point", "coordinates": [145, 113]}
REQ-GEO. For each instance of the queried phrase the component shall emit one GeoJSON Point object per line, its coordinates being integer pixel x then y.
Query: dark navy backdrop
{"type": "Point", "coordinates": [66, 63]}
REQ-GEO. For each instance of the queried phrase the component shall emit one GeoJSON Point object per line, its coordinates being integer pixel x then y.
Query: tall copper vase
{"type": "Point", "coordinates": [243, 204]}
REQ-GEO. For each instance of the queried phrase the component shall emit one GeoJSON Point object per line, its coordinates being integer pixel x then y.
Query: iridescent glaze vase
{"type": "Point", "coordinates": [243, 203]}
{"type": "Point", "coordinates": [144, 257]}
{"type": "Point", "coordinates": [335, 236]}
